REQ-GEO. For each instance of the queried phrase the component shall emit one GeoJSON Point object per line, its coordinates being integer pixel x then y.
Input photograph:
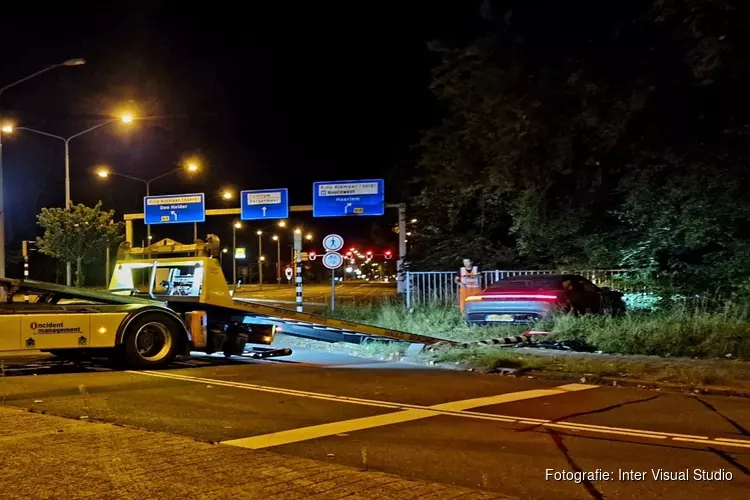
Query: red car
{"type": "Point", "coordinates": [526, 299]}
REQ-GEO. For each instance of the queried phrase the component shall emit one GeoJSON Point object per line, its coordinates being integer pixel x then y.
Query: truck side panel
{"type": "Point", "coordinates": [104, 328]}
{"type": "Point", "coordinates": [10, 333]}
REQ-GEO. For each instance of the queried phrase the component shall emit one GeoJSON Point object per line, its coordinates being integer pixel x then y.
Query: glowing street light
{"type": "Point", "coordinates": [414, 221]}
{"type": "Point", "coordinates": [227, 195]}
{"type": "Point", "coordinates": [127, 118]}
{"type": "Point", "coordinates": [298, 231]}
{"type": "Point", "coordinates": [8, 129]}
{"type": "Point", "coordinates": [309, 236]}
{"type": "Point", "coordinates": [238, 225]}
{"type": "Point", "coordinates": [282, 223]}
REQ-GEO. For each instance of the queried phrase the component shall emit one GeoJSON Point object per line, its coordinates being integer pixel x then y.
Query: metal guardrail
{"type": "Point", "coordinates": [440, 288]}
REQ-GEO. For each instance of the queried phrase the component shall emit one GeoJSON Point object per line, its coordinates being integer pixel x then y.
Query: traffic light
{"type": "Point", "coordinates": [349, 255]}
{"type": "Point", "coordinates": [369, 254]}
{"type": "Point", "coordinates": [312, 254]}
{"type": "Point", "coordinates": [388, 254]}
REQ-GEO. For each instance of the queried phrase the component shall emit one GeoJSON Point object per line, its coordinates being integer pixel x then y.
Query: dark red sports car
{"type": "Point", "coordinates": [526, 299]}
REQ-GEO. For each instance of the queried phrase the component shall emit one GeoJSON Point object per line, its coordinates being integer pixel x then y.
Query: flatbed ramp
{"type": "Point", "coordinates": [320, 327]}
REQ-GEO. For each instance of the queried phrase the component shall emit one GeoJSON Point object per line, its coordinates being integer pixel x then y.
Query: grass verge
{"type": "Point", "coordinates": [675, 371]}
{"type": "Point", "coordinates": [680, 345]}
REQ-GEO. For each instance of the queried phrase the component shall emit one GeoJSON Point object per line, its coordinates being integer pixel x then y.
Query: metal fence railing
{"type": "Point", "coordinates": [440, 288]}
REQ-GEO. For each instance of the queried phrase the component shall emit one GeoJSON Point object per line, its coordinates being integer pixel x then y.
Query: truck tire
{"type": "Point", "coordinates": [151, 341]}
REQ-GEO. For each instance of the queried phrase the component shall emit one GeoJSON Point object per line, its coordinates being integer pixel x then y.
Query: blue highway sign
{"type": "Point", "coordinates": [340, 198]}
{"type": "Point", "coordinates": [175, 208]}
{"type": "Point", "coordinates": [264, 204]}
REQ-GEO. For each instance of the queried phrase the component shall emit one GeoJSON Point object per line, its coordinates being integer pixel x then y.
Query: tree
{"type": "Point", "coordinates": [593, 134]}
{"type": "Point", "coordinates": [78, 235]}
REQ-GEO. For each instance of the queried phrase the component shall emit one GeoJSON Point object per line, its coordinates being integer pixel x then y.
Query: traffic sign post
{"type": "Point", "coordinates": [341, 198]}
{"type": "Point", "coordinates": [174, 209]}
{"type": "Point", "coordinates": [333, 260]}
{"type": "Point", "coordinates": [298, 262]}
{"type": "Point", "coordinates": [264, 204]}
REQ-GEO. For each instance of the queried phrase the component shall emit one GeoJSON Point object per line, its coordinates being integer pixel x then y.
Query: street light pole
{"type": "Point", "coordinates": [278, 258]}
{"type": "Point", "coordinates": [105, 172]}
{"type": "Point", "coordinates": [69, 62]}
{"type": "Point", "coordinates": [260, 262]}
{"type": "Point", "coordinates": [234, 253]}
{"type": "Point", "coordinates": [66, 142]}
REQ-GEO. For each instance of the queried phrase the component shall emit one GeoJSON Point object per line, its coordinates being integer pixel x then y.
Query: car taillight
{"type": "Point", "coordinates": [518, 296]}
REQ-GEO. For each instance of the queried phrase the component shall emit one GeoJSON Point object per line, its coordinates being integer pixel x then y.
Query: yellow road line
{"type": "Point", "coordinates": [453, 409]}
{"type": "Point", "coordinates": [358, 424]}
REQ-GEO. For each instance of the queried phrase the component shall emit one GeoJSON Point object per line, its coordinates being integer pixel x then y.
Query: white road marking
{"type": "Point", "coordinates": [454, 409]}
{"type": "Point", "coordinates": [357, 424]}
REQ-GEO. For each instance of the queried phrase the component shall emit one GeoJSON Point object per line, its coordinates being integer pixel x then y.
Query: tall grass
{"type": "Point", "coordinates": [681, 330]}
{"type": "Point", "coordinates": [442, 322]}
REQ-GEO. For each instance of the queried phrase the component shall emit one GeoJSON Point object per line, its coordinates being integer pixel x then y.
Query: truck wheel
{"type": "Point", "coordinates": [151, 341]}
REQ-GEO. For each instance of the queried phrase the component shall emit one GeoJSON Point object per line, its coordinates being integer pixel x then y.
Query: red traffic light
{"type": "Point", "coordinates": [312, 254]}
{"type": "Point", "coordinates": [349, 254]}
{"type": "Point", "coordinates": [369, 254]}
{"type": "Point", "coordinates": [388, 254]}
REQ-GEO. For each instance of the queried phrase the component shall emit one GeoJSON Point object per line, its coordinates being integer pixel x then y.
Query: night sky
{"type": "Point", "coordinates": [267, 97]}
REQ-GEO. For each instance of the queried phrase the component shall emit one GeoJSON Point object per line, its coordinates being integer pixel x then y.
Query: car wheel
{"type": "Point", "coordinates": [151, 341]}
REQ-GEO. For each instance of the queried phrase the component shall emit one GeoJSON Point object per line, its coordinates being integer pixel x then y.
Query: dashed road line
{"type": "Point", "coordinates": [409, 412]}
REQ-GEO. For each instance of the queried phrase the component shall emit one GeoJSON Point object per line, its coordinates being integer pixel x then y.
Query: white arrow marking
{"type": "Point", "coordinates": [174, 213]}
{"type": "Point", "coordinates": [264, 211]}
{"type": "Point", "coordinates": [347, 206]}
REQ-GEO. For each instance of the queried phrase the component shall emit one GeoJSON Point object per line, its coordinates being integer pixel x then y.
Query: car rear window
{"type": "Point", "coordinates": [528, 283]}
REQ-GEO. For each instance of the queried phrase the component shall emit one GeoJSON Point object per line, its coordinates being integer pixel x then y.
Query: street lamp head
{"type": "Point", "coordinates": [262, 258]}
{"type": "Point", "coordinates": [227, 194]}
{"type": "Point", "coordinates": [74, 62]}
{"type": "Point", "coordinates": [238, 225]}
{"type": "Point", "coordinates": [414, 221]}
{"type": "Point", "coordinates": [275, 238]}
{"type": "Point", "coordinates": [192, 167]}
{"type": "Point", "coordinates": [282, 223]}
{"type": "Point", "coordinates": [298, 231]}
{"type": "Point", "coordinates": [258, 232]}
{"type": "Point", "coordinates": [308, 236]}
{"type": "Point", "coordinates": [102, 172]}
{"type": "Point", "coordinates": [224, 250]}
{"type": "Point", "coordinates": [127, 118]}
{"type": "Point", "coordinates": [7, 129]}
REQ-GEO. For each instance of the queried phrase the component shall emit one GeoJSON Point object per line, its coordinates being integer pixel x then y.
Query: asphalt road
{"type": "Point", "coordinates": [488, 432]}
{"type": "Point", "coordinates": [318, 295]}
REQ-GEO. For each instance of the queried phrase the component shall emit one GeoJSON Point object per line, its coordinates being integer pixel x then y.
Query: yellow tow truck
{"type": "Point", "coordinates": [165, 300]}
